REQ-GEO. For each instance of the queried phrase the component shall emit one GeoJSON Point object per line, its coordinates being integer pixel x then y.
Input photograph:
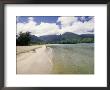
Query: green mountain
{"type": "Point", "coordinates": [68, 38]}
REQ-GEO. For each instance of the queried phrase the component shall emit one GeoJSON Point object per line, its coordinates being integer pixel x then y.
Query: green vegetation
{"type": "Point", "coordinates": [37, 43]}
{"type": "Point", "coordinates": [23, 39]}
{"type": "Point", "coordinates": [75, 41]}
{"type": "Point", "coordinates": [67, 38]}
{"type": "Point", "coordinates": [87, 40]}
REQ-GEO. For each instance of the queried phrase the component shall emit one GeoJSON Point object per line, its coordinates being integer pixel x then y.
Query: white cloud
{"type": "Point", "coordinates": [24, 27]}
{"type": "Point", "coordinates": [79, 27]}
{"type": "Point", "coordinates": [30, 19]}
{"type": "Point", "coordinates": [39, 30]}
{"type": "Point", "coordinates": [52, 28]}
{"type": "Point", "coordinates": [46, 29]}
{"type": "Point", "coordinates": [67, 21]}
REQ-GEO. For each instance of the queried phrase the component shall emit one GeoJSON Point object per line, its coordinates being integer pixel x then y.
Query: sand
{"type": "Point", "coordinates": [37, 61]}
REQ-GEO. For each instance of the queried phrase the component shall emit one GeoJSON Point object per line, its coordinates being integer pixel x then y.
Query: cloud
{"type": "Point", "coordinates": [68, 24]}
{"type": "Point", "coordinates": [46, 29]}
{"type": "Point", "coordinates": [30, 19]}
{"type": "Point", "coordinates": [39, 30]}
{"type": "Point", "coordinates": [30, 26]}
{"type": "Point", "coordinates": [67, 21]}
{"type": "Point", "coordinates": [79, 27]}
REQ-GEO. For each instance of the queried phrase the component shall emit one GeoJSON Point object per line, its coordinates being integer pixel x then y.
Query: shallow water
{"type": "Point", "coordinates": [73, 58]}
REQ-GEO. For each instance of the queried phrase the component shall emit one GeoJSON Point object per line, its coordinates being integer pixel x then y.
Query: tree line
{"type": "Point", "coordinates": [24, 39]}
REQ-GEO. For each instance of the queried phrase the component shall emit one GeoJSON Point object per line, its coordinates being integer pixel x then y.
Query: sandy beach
{"type": "Point", "coordinates": [37, 61]}
{"type": "Point", "coordinates": [55, 59]}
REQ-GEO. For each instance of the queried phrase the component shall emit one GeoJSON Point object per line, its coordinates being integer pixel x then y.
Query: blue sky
{"type": "Point", "coordinates": [50, 19]}
{"type": "Point", "coordinates": [45, 25]}
{"type": "Point", "coordinates": [39, 19]}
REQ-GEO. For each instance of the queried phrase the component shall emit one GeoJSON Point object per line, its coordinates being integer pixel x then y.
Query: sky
{"type": "Point", "coordinates": [55, 25]}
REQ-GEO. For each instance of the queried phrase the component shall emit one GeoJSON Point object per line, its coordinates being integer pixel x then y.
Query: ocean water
{"type": "Point", "coordinates": [73, 58]}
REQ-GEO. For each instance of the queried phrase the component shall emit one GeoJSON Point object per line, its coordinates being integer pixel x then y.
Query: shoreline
{"type": "Point", "coordinates": [36, 62]}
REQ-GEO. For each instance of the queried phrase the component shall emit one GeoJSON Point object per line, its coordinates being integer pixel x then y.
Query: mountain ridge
{"type": "Point", "coordinates": [67, 37]}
